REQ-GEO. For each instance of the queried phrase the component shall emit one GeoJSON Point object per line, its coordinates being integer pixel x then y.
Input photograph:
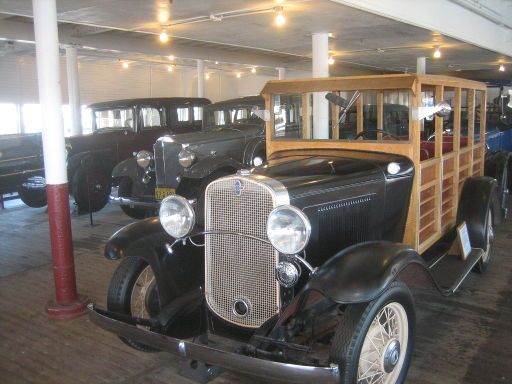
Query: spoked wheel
{"type": "Point", "coordinates": [373, 343]}
{"type": "Point", "coordinates": [133, 291]}
{"type": "Point", "coordinates": [489, 242]}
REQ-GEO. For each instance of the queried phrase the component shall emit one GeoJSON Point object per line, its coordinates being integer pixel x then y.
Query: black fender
{"type": "Point", "coordinates": [478, 193]}
{"type": "Point", "coordinates": [103, 159]}
{"type": "Point", "coordinates": [209, 165]}
{"type": "Point", "coordinates": [499, 166]}
{"type": "Point", "coordinates": [126, 168]}
{"type": "Point", "coordinates": [252, 148]}
{"type": "Point", "coordinates": [175, 273]}
{"type": "Point", "coordinates": [360, 273]}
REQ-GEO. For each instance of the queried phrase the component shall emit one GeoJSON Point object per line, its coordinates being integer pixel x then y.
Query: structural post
{"type": "Point", "coordinates": [67, 303]}
{"type": "Point", "coordinates": [73, 90]}
{"type": "Point", "coordinates": [281, 73]}
{"type": "Point", "coordinates": [200, 78]}
{"type": "Point", "coordinates": [421, 65]}
{"type": "Point", "coordinates": [320, 69]}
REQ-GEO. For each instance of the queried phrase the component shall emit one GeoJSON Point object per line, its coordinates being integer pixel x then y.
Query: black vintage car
{"type": "Point", "coordinates": [22, 168]}
{"type": "Point", "coordinates": [303, 269]}
{"type": "Point", "coordinates": [232, 137]}
{"type": "Point", "coordinates": [119, 128]}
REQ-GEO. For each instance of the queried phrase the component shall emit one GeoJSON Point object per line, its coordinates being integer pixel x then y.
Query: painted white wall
{"type": "Point", "coordinates": [107, 80]}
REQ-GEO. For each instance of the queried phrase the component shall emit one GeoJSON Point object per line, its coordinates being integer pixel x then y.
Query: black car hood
{"type": "Point", "coordinates": [304, 173]}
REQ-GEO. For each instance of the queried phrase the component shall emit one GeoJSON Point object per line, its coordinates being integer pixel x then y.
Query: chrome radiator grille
{"type": "Point", "coordinates": [238, 267]}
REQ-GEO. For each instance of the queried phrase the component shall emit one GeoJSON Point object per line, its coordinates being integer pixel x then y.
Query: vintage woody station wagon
{"type": "Point", "coordinates": [303, 270]}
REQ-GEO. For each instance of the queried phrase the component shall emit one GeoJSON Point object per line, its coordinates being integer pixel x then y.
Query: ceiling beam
{"type": "Point", "coordinates": [470, 25]}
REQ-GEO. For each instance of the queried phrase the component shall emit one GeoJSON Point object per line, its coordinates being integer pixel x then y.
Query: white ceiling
{"type": "Point", "coordinates": [362, 40]}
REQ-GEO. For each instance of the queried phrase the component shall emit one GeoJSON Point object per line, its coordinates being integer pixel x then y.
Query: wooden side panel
{"type": "Point", "coordinates": [483, 109]}
{"type": "Point", "coordinates": [380, 113]}
{"type": "Point", "coordinates": [360, 113]}
{"type": "Point", "coordinates": [306, 116]}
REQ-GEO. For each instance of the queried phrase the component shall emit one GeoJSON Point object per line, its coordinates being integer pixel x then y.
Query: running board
{"type": "Point", "coordinates": [450, 271]}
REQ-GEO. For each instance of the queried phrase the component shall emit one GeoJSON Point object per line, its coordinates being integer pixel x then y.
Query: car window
{"type": "Point", "coordinates": [183, 114]}
{"type": "Point", "coordinates": [114, 119]}
{"type": "Point", "coordinates": [198, 113]}
{"type": "Point", "coordinates": [151, 117]}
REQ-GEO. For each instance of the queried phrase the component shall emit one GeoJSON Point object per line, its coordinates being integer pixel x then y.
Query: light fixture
{"type": "Point", "coordinates": [170, 68]}
{"type": "Point", "coordinates": [330, 35]}
{"type": "Point", "coordinates": [207, 76]}
{"type": "Point", "coordinates": [171, 57]}
{"type": "Point", "coordinates": [164, 36]}
{"type": "Point", "coordinates": [501, 68]}
{"type": "Point", "coordinates": [279, 19]}
{"type": "Point", "coordinates": [253, 70]}
{"type": "Point", "coordinates": [216, 63]}
{"type": "Point", "coordinates": [437, 53]}
{"type": "Point", "coordinates": [238, 75]}
{"type": "Point", "coordinates": [330, 61]}
{"type": "Point", "coordinates": [125, 64]}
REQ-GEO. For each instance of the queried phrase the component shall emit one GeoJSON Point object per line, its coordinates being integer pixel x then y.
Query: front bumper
{"type": "Point", "coordinates": [114, 198]}
{"type": "Point", "coordinates": [267, 369]}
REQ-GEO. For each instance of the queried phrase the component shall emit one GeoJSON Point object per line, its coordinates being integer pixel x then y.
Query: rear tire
{"type": "Point", "coordinates": [488, 246]}
{"type": "Point", "coordinates": [383, 332]}
{"type": "Point", "coordinates": [133, 283]}
{"type": "Point", "coordinates": [33, 192]}
{"type": "Point", "coordinates": [125, 190]}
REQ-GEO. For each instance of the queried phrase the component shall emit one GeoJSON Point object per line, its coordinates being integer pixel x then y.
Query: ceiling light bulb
{"type": "Point", "coordinates": [238, 75]}
{"type": "Point", "coordinates": [501, 68]}
{"type": "Point", "coordinates": [125, 65]}
{"type": "Point", "coordinates": [170, 68]}
{"type": "Point", "coordinates": [207, 76]}
{"type": "Point", "coordinates": [171, 57]}
{"type": "Point", "coordinates": [253, 70]}
{"type": "Point", "coordinates": [164, 37]}
{"type": "Point", "coordinates": [280, 20]}
{"type": "Point", "coordinates": [330, 61]}
{"type": "Point", "coordinates": [216, 63]}
{"type": "Point", "coordinates": [437, 53]}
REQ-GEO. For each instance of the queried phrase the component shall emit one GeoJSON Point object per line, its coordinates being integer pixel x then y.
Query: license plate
{"type": "Point", "coordinates": [162, 193]}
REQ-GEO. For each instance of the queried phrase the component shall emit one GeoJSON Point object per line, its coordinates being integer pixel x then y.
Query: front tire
{"type": "Point", "coordinates": [374, 341]}
{"type": "Point", "coordinates": [133, 292]}
{"type": "Point", "coordinates": [33, 192]}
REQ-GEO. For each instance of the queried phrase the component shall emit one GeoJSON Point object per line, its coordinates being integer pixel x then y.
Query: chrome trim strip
{"type": "Point", "coordinates": [266, 369]}
{"type": "Point", "coordinates": [131, 201]}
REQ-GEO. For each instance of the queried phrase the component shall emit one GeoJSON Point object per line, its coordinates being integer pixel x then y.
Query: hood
{"type": "Point", "coordinates": [305, 174]}
{"type": "Point", "coordinates": [229, 132]}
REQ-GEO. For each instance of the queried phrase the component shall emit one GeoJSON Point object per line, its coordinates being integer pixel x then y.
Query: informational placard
{"type": "Point", "coordinates": [462, 245]}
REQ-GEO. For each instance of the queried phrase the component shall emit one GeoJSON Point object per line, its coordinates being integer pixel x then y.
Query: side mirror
{"type": "Point", "coordinates": [443, 109]}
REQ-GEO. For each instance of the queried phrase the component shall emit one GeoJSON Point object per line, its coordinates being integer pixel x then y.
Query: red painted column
{"type": "Point", "coordinates": [67, 303]}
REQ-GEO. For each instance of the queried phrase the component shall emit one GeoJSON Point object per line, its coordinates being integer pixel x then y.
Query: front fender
{"type": "Point", "coordinates": [126, 168]}
{"type": "Point", "coordinates": [175, 273]}
{"type": "Point", "coordinates": [360, 273]}
{"type": "Point", "coordinates": [209, 165]}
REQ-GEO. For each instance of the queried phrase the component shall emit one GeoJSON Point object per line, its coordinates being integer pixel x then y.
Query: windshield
{"type": "Point", "coordinates": [218, 118]}
{"type": "Point", "coordinates": [342, 115]}
{"type": "Point", "coordinates": [114, 119]}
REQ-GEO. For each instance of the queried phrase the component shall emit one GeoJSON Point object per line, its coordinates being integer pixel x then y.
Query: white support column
{"type": "Point", "coordinates": [320, 69]}
{"type": "Point", "coordinates": [281, 72]}
{"type": "Point", "coordinates": [50, 98]}
{"type": "Point", "coordinates": [200, 78]}
{"type": "Point", "coordinates": [421, 65]}
{"type": "Point", "coordinates": [73, 90]}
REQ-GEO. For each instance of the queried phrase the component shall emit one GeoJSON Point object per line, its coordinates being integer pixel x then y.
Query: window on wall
{"type": "Point", "coordinates": [10, 123]}
{"type": "Point", "coordinates": [151, 117]}
{"type": "Point", "coordinates": [31, 115]}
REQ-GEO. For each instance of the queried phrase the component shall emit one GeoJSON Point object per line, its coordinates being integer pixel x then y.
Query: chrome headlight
{"type": "Point", "coordinates": [186, 157]}
{"type": "Point", "coordinates": [288, 229]}
{"type": "Point", "coordinates": [144, 158]}
{"type": "Point", "coordinates": [177, 216]}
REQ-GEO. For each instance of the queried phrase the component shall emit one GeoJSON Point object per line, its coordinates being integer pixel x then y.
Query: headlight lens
{"type": "Point", "coordinates": [288, 229]}
{"type": "Point", "coordinates": [177, 216]}
{"type": "Point", "coordinates": [144, 158]}
{"type": "Point", "coordinates": [186, 157]}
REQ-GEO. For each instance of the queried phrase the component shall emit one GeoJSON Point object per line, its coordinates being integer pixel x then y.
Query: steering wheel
{"type": "Point", "coordinates": [365, 131]}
